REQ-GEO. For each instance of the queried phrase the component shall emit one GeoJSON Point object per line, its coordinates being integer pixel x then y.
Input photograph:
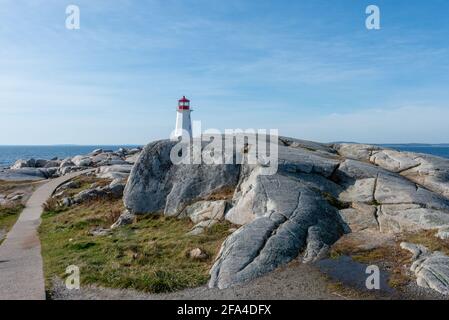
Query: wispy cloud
{"type": "Point", "coordinates": [292, 66]}
{"type": "Point", "coordinates": [421, 124]}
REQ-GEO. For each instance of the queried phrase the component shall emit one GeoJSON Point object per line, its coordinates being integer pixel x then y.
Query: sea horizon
{"type": "Point", "coordinates": [444, 144]}
{"type": "Point", "coordinates": [9, 154]}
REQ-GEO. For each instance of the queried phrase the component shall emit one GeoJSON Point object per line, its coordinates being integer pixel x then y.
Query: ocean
{"type": "Point", "coordinates": [9, 154]}
{"type": "Point", "coordinates": [441, 150]}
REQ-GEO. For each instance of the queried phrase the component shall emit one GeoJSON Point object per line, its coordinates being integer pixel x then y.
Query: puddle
{"type": "Point", "coordinates": [353, 273]}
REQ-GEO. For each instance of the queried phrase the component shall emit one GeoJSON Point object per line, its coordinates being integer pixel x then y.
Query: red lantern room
{"type": "Point", "coordinates": [184, 104]}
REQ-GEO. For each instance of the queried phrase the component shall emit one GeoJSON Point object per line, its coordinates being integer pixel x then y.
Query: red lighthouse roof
{"type": "Point", "coordinates": [184, 104]}
{"type": "Point", "coordinates": [184, 99]}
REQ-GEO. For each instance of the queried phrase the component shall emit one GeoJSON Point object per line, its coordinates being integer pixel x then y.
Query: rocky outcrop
{"type": "Point", "coordinates": [429, 171]}
{"type": "Point", "coordinates": [431, 268]}
{"type": "Point", "coordinates": [114, 191]}
{"type": "Point", "coordinates": [295, 219]}
{"type": "Point", "coordinates": [39, 169]}
{"type": "Point", "coordinates": [318, 193]}
{"type": "Point", "coordinates": [157, 185]}
{"type": "Point", "coordinates": [19, 164]}
{"type": "Point", "coordinates": [114, 172]}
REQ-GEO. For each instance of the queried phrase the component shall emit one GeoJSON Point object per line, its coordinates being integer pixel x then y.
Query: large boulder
{"type": "Point", "coordinates": [82, 161]}
{"type": "Point", "coordinates": [66, 163]}
{"type": "Point", "coordinates": [157, 185]}
{"type": "Point", "coordinates": [113, 172]}
{"type": "Point", "coordinates": [52, 164]}
{"type": "Point", "coordinates": [19, 164]}
{"type": "Point", "coordinates": [292, 218]}
{"type": "Point", "coordinates": [41, 163]}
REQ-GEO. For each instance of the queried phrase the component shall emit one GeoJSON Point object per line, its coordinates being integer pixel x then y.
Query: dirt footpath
{"type": "Point", "coordinates": [295, 281]}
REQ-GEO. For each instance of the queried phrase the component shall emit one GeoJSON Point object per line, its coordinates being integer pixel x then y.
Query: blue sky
{"type": "Point", "coordinates": [309, 68]}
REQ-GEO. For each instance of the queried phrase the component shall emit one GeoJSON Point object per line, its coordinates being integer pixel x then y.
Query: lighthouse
{"type": "Point", "coordinates": [183, 121]}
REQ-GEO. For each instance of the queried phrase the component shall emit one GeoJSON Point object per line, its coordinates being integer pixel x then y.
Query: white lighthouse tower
{"type": "Point", "coordinates": [183, 121]}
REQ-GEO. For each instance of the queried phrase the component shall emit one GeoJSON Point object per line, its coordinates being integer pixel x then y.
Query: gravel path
{"type": "Point", "coordinates": [293, 282]}
{"type": "Point", "coordinates": [296, 281]}
{"type": "Point", "coordinates": [21, 271]}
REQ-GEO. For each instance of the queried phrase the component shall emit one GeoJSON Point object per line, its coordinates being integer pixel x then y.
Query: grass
{"type": "Point", "coordinates": [8, 216]}
{"type": "Point", "coordinates": [151, 255]}
{"type": "Point", "coordinates": [428, 239]}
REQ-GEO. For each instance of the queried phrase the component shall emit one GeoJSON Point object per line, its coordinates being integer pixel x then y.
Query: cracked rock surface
{"type": "Point", "coordinates": [157, 185]}
{"type": "Point", "coordinates": [295, 219]}
{"type": "Point", "coordinates": [319, 193]}
{"type": "Point", "coordinates": [431, 268]}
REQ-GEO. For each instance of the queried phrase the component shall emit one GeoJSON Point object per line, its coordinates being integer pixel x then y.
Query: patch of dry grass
{"type": "Point", "coordinates": [8, 216]}
{"type": "Point", "coordinates": [428, 239]}
{"type": "Point", "coordinates": [149, 255]}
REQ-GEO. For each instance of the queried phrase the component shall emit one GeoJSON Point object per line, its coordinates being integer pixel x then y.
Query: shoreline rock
{"type": "Point", "coordinates": [41, 169]}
